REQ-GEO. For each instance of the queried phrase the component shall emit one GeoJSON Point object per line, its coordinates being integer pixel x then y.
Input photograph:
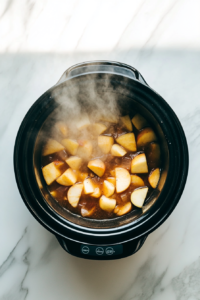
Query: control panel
{"type": "Point", "coordinates": [101, 250]}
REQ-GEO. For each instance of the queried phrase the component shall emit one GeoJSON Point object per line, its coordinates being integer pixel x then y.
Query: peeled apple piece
{"type": "Point", "coordinates": [97, 193]}
{"type": "Point", "coordinates": [127, 122]}
{"type": "Point", "coordinates": [74, 194]}
{"type": "Point", "coordinates": [145, 137]}
{"type": "Point", "coordinates": [117, 150]}
{"type": "Point", "coordinates": [85, 150]}
{"type": "Point", "coordinates": [112, 179]}
{"type": "Point", "coordinates": [139, 122]}
{"type": "Point", "coordinates": [97, 166]}
{"type": "Point", "coordinates": [123, 179]}
{"type": "Point", "coordinates": [127, 141]}
{"type": "Point", "coordinates": [52, 146]}
{"type": "Point", "coordinates": [139, 164]}
{"type": "Point", "coordinates": [52, 171]}
{"type": "Point", "coordinates": [87, 212]}
{"type": "Point", "coordinates": [136, 180]}
{"type": "Point", "coordinates": [138, 196]}
{"type": "Point", "coordinates": [154, 177]}
{"type": "Point", "coordinates": [70, 145]}
{"type": "Point", "coordinates": [67, 178]}
{"type": "Point", "coordinates": [74, 162]}
{"type": "Point", "coordinates": [98, 128]}
{"type": "Point", "coordinates": [62, 128]}
{"type": "Point", "coordinates": [105, 143]}
{"type": "Point", "coordinates": [121, 210]}
{"type": "Point", "coordinates": [107, 204]}
{"type": "Point", "coordinates": [108, 188]}
{"type": "Point", "coordinates": [89, 186]}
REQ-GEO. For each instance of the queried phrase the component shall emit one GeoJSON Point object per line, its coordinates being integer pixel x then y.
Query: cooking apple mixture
{"type": "Point", "coordinates": [103, 169]}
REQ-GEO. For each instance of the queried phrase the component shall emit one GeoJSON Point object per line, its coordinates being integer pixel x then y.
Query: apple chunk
{"type": "Point", "coordinates": [98, 128]}
{"type": "Point", "coordinates": [97, 193]}
{"type": "Point", "coordinates": [154, 177]}
{"type": "Point", "coordinates": [107, 204]}
{"type": "Point", "coordinates": [83, 121]}
{"type": "Point", "coordinates": [112, 179]}
{"type": "Point", "coordinates": [74, 162]}
{"type": "Point", "coordinates": [108, 188]}
{"type": "Point", "coordinates": [127, 140]}
{"type": "Point", "coordinates": [52, 171]}
{"type": "Point", "coordinates": [62, 128]}
{"type": "Point", "coordinates": [145, 137]}
{"type": "Point", "coordinates": [138, 196]}
{"type": "Point", "coordinates": [85, 212]}
{"type": "Point", "coordinates": [74, 194]}
{"type": "Point", "coordinates": [139, 164]}
{"type": "Point", "coordinates": [139, 122]}
{"type": "Point", "coordinates": [85, 149]}
{"type": "Point", "coordinates": [97, 166]}
{"type": "Point", "coordinates": [137, 181]}
{"type": "Point", "coordinates": [89, 186]}
{"type": "Point", "coordinates": [121, 210]}
{"type": "Point", "coordinates": [123, 179]}
{"type": "Point", "coordinates": [127, 122]}
{"type": "Point", "coordinates": [117, 150]}
{"type": "Point", "coordinates": [67, 178]}
{"type": "Point", "coordinates": [105, 143]}
{"type": "Point", "coordinates": [70, 145]}
{"type": "Point", "coordinates": [52, 146]}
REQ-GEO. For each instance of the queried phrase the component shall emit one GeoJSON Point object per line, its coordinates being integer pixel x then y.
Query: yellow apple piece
{"type": "Point", "coordinates": [74, 162]}
{"type": "Point", "coordinates": [127, 140]}
{"type": "Point", "coordinates": [74, 194]}
{"type": "Point", "coordinates": [108, 188]}
{"type": "Point", "coordinates": [52, 146]}
{"type": "Point", "coordinates": [89, 186]}
{"type": "Point", "coordinates": [109, 117]}
{"type": "Point", "coordinates": [52, 171]}
{"type": "Point", "coordinates": [127, 122]}
{"type": "Point", "coordinates": [139, 122]}
{"type": "Point", "coordinates": [139, 164]}
{"type": "Point", "coordinates": [67, 178]}
{"type": "Point", "coordinates": [123, 179]}
{"type": "Point", "coordinates": [138, 196]}
{"type": "Point", "coordinates": [117, 150]}
{"type": "Point", "coordinates": [97, 166]}
{"type": "Point", "coordinates": [121, 209]}
{"type": "Point", "coordinates": [85, 149]}
{"type": "Point", "coordinates": [107, 204]}
{"type": "Point", "coordinates": [154, 177]}
{"type": "Point", "coordinates": [112, 179]}
{"type": "Point", "coordinates": [137, 181]}
{"type": "Point", "coordinates": [83, 121]}
{"type": "Point", "coordinates": [145, 137]}
{"type": "Point", "coordinates": [97, 193]}
{"type": "Point", "coordinates": [87, 212]}
{"type": "Point", "coordinates": [70, 145]}
{"type": "Point", "coordinates": [62, 128]}
{"type": "Point", "coordinates": [105, 143]}
{"type": "Point", "coordinates": [112, 173]}
{"type": "Point", "coordinates": [98, 128]}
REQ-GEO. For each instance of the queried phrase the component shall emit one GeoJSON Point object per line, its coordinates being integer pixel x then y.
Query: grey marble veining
{"type": "Point", "coordinates": [39, 41]}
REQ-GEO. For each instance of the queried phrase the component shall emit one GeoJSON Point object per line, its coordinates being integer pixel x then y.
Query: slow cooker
{"type": "Point", "coordinates": [124, 235]}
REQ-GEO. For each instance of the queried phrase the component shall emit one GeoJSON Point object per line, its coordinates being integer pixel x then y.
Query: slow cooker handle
{"type": "Point", "coordinates": [102, 67]}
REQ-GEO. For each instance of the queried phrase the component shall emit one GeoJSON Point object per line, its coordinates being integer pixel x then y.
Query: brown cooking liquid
{"type": "Point", "coordinates": [88, 202]}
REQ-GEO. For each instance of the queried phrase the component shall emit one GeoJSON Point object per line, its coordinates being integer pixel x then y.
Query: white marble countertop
{"type": "Point", "coordinates": [39, 41]}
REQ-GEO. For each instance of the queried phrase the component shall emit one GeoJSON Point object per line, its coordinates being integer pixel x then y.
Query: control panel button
{"type": "Point", "coordinates": [85, 249]}
{"type": "Point", "coordinates": [110, 251]}
{"type": "Point", "coordinates": [99, 251]}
